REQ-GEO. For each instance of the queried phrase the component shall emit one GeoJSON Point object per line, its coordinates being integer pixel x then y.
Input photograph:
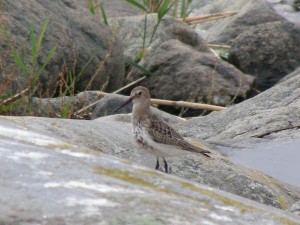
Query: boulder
{"type": "Point", "coordinates": [263, 43]}
{"type": "Point", "coordinates": [249, 13]}
{"type": "Point", "coordinates": [183, 73]}
{"type": "Point", "coordinates": [109, 103]}
{"type": "Point", "coordinates": [271, 115]}
{"type": "Point", "coordinates": [120, 8]}
{"type": "Point", "coordinates": [85, 47]}
{"type": "Point", "coordinates": [65, 106]}
{"type": "Point", "coordinates": [137, 41]}
{"type": "Point", "coordinates": [268, 51]}
{"type": "Point", "coordinates": [113, 135]}
{"type": "Point", "coordinates": [47, 180]}
{"type": "Point", "coordinates": [292, 74]}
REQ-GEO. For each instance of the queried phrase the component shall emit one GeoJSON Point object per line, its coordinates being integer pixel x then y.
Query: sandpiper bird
{"type": "Point", "coordinates": [153, 134]}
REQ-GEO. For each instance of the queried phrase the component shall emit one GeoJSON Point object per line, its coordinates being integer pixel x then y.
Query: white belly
{"type": "Point", "coordinates": [145, 142]}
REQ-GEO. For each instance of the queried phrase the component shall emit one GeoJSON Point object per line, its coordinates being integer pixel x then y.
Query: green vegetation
{"type": "Point", "coordinates": [97, 6]}
{"type": "Point", "coordinates": [162, 8]}
{"type": "Point", "coordinates": [33, 60]}
{"type": "Point", "coordinates": [31, 69]}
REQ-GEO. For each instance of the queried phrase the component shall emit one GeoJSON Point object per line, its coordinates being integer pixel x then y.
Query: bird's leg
{"type": "Point", "coordinates": [157, 163]}
{"type": "Point", "coordinates": [166, 165]}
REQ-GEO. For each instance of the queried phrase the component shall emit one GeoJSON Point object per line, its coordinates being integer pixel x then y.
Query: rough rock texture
{"type": "Point", "coordinates": [64, 106]}
{"type": "Point", "coordinates": [264, 44]}
{"type": "Point", "coordinates": [287, 10]}
{"type": "Point", "coordinates": [292, 74]}
{"type": "Point", "coordinates": [182, 73]}
{"type": "Point", "coordinates": [82, 42]}
{"type": "Point", "coordinates": [268, 51]}
{"type": "Point", "coordinates": [273, 114]}
{"type": "Point", "coordinates": [108, 104]}
{"type": "Point", "coordinates": [295, 208]}
{"type": "Point", "coordinates": [131, 32]}
{"type": "Point", "coordinates": [250, 13]}
{"type": "Point", "coordinates": [117, 8]}
{"type": "Point", "coordinates": [45, 180]}
{"type": "Point", "coordinates": [113, 135]}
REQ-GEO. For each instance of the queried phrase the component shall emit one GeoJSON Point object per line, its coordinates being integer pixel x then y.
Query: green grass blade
{"type": "Point", "coordinates": [183, 9]}
{"type": "Point", "coordinates": [104, 15]}
{"type": "Point", "coordinates": [42, 34]}
{"type": "Point", "coordinates": [34, 50]}
{"type": "Point", "coordinates": [66, 109]}
{"type": "Point", "coordinates": [49, 57]}
{"type": "Point", "coordinates": [174, 13]}
{"type": "Point", "coordinates": [166, 6]}
{"type": "Point", "coordinates": [33, 44]}
{"type": "Point", "coordinates": [161, 13]}
{"type": "Point", "coordinates": [138, 5]}
{"type": "Point", "coordinates": [145, 31]}
{"type": "Point", "coordinates": [85, 66]}
{"type": "Point", "coordinates": [139, 67]}
{"type": "Point", "coordinates": [14, 53]}
{"type": "Point", "coordinates": [19, 62]}
{"type": "Point", "coordinates": [91, 7]}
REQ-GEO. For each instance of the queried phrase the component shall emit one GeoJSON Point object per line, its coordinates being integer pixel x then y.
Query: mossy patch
{"type": "Point", "coordinates": [227, 201]}
{"type": "Point", "coordinates": [287, 221]}
{"type": "Point", "coordinates": [126, 176]}
{"type": "Point", "coordinates": [282, 202]}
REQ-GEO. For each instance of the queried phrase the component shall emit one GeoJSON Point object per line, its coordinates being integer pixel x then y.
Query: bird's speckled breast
{"type": "Point", "coordinates": [138, 133]}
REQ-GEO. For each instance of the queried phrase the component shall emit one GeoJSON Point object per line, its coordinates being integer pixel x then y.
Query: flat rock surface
{"type": "Point", "coordinates": [46, 180]}
{"type": "Point", "coordinates": [113, 135]}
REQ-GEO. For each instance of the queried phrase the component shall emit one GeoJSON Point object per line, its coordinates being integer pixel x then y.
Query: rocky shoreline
{"type": "Point", "coordinates": [68, 171]}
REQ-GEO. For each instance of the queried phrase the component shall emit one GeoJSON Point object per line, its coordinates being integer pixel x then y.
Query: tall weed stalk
{"type": "Point", "coordinates": [31, 70]}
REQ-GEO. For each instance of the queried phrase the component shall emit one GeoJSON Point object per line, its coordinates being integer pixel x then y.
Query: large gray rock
{"type": "Point", "coordinates": [268, 51]}
{"type": "Point", "coordinates": [182, 73]}
{"type": "Point", "coordinates": [290, 75]}
{"type": "Point", "coordinates": [250, 13]}
{"type": "Point", "coordinates": [117, 8]}
{"type": "Point", "coordinates": [271, 115]}
{"type": "Point", "coordinates": [137, 42]}
{"type": "Point", "coordinates": [83, 45]}
{"type": "Point", "coordinates": [113, 135]}
{"type": "Point", "coordinates": [65, 106]}
{"type": "Point", "coordinates": [264, 44]}
{"type": "Point", "coordinates": [46, 180]}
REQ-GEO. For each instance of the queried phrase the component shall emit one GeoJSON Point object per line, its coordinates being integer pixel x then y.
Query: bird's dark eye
{"type": "Point", "coordinates": [139, 93]}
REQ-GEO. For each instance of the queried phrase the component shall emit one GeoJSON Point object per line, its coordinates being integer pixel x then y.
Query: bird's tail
{"type": "Point", "coordinates": [191, 148]}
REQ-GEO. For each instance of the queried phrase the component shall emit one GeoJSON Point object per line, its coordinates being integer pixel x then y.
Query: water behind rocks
{"type": "Point", "coordinates": [278, 159]}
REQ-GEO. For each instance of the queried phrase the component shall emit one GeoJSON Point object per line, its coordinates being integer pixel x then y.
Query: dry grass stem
{"type": "Point", "coordinates": [181, 104]}
{"type": "Point", "coordinates": [129, 85]}
{"type": "Point", "coordinates": [219, 46]}
{"type": "Point", "coordinates": [202, 19]}
{"type": "Point", "coordinates": [14, 98]}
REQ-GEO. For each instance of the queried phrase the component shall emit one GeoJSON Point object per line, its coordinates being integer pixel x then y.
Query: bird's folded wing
{"type": "Point", "coordinates": [162, 133]}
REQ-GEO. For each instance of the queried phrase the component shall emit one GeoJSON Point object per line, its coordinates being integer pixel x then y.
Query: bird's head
{"type": "Point", "coordinates": [139, 96]}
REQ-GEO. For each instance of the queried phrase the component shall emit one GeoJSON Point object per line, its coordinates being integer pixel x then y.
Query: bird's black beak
{"type": "Point", "coordinates": [125, 103]}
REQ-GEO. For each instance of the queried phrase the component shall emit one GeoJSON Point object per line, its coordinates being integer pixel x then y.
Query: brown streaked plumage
{"type": "Point", "coordinates": [153, 134]}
